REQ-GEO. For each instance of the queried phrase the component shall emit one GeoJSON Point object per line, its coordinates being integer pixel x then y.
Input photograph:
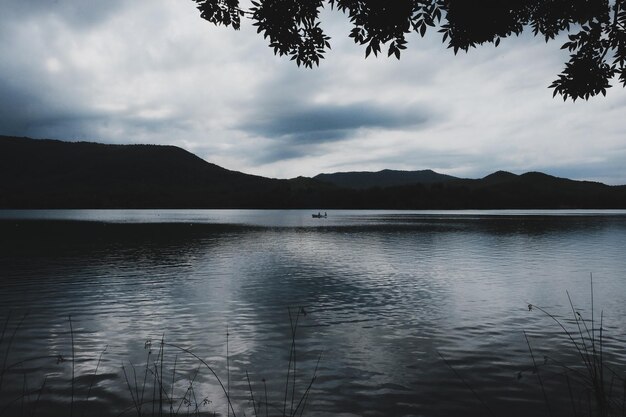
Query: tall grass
{"type": "Point", "coordinates": [595, 388]}
{"type": "Point", "coordinates": [603, 386]}
{"type": "Point", "coordinates": [154, 388]}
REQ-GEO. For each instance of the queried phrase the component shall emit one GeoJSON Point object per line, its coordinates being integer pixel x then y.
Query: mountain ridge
{"type": "Point", "coordinates": [44, 173]}
{"type": "Point", "coordinates": [383, 178]}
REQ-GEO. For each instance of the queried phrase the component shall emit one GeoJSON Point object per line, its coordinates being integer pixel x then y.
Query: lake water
{"type": "Point", "coordinates": [407, 313]}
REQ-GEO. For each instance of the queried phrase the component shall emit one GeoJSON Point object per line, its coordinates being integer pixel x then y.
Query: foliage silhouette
{"type": "Point", "coordinates": [596, 30]}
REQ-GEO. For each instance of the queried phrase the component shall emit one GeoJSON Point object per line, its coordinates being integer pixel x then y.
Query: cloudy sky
{"type": "Point", "coordinates": [152, 71]}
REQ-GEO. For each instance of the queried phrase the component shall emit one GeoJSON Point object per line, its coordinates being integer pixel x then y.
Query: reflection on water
{"type": "Point", "coordinates": [385, 295]}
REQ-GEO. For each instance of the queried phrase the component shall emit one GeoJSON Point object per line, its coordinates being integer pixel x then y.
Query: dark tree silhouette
{"type": "Point", "coordinates": [596, 30]}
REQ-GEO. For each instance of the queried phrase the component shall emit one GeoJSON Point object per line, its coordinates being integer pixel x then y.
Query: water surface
{"type": "Point", "coordinates": [388, 296]}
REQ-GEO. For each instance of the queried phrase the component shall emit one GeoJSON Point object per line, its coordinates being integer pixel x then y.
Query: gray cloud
{"type": "Point", "coordinates": [608, 169]}
{"type": "Point", "coordinates": [152, 71]}
{"type": "Point", "coordinates": [81, 15]}
{"type": "Point", "coordinates": [26, 111]}
{"type": "Point", "coordinates": [316, 123]}
{"type": "Point", "coordinates": [278, 152]}
{"type": "Point", "coordinates": [296, 131]}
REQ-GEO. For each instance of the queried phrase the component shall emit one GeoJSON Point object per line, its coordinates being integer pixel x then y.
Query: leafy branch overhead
{"type": "Point", "coordinates": [596, 30]}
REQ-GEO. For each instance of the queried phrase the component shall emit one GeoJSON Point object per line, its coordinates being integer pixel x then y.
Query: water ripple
{"type": "Point", "coordinates": [385, 295]}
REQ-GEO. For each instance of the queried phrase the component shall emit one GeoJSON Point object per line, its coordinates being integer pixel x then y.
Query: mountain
{"type": "Point", "coordinates": [38, 173]}
{"type": "Point", "coordinates": [384, 178]}
{"type": "Point", "coordinates": [502, 190]}
{"type": "Point", "coordinates": [56, 174]}
{"type": "Point", "coordinates": [499, 177]}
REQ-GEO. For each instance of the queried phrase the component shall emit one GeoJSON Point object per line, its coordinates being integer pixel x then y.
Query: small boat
{"type": "Point", "coordinates": [319, 216]}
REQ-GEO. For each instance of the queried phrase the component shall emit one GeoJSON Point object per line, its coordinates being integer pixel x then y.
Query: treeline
{"type": "Point", "coordinates": [53, 174]}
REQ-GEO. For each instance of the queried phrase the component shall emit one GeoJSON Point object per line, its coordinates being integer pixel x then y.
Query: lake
{"type": "Point", "coordinates": [398, 313]}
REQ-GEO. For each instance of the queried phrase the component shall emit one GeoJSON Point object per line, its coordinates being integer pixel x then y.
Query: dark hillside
{"type": "Point", "coordinates": [498, 177]}
{"type": "Point", "coordinates": [539, 190]}
{"type": "Point", "coordinates": [55, 174]}
{"type": "Point", "coordinates": [384, 178]}
{"type": "Point", "coordinates": [51, 173]}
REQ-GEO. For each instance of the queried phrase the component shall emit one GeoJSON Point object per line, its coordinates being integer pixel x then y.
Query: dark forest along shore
{"type": "Point", "coordinates": [407, 309]}
{"type": "Point", "coordinates": [44, 174]}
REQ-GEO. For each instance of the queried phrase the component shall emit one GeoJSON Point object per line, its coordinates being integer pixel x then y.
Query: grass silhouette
{"type": "Point", "coordinates": [603, 386]}
{"type": "Point", "coordinates": [150, 388]}
{"type": "Point", "coordinates": [154, 388]}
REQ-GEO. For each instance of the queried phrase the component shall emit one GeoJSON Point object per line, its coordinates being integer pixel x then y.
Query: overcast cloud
{"type": "Point", "coordinates": [152, 71]}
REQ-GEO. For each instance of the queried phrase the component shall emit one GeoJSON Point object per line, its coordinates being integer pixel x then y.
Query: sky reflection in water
{"type": "Point", "coordinates": [384, 293]}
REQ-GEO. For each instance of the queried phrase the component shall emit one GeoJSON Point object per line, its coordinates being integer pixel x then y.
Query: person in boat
{"type": "Point", "coordinates": [319, 214]}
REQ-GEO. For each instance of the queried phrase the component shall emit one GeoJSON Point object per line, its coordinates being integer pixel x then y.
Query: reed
{"type": "Point", "coordinates": [593, 374]}
{"type": "Point", "coordinates": [467, 385]}
{"type": "Point", "coordinates": [151, 392]}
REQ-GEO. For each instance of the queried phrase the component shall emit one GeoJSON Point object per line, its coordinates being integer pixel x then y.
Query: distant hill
{"type": "Point", "coordinates": [499, 177]}
{"type": "Point", "coordinates": [52, 173]}
{"type": "Point", "coordinates": [56, 174]}
{"type": "Point", "coordinates": [384, 178]}
{"type": "Point", "coordinates": [502, 190]}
